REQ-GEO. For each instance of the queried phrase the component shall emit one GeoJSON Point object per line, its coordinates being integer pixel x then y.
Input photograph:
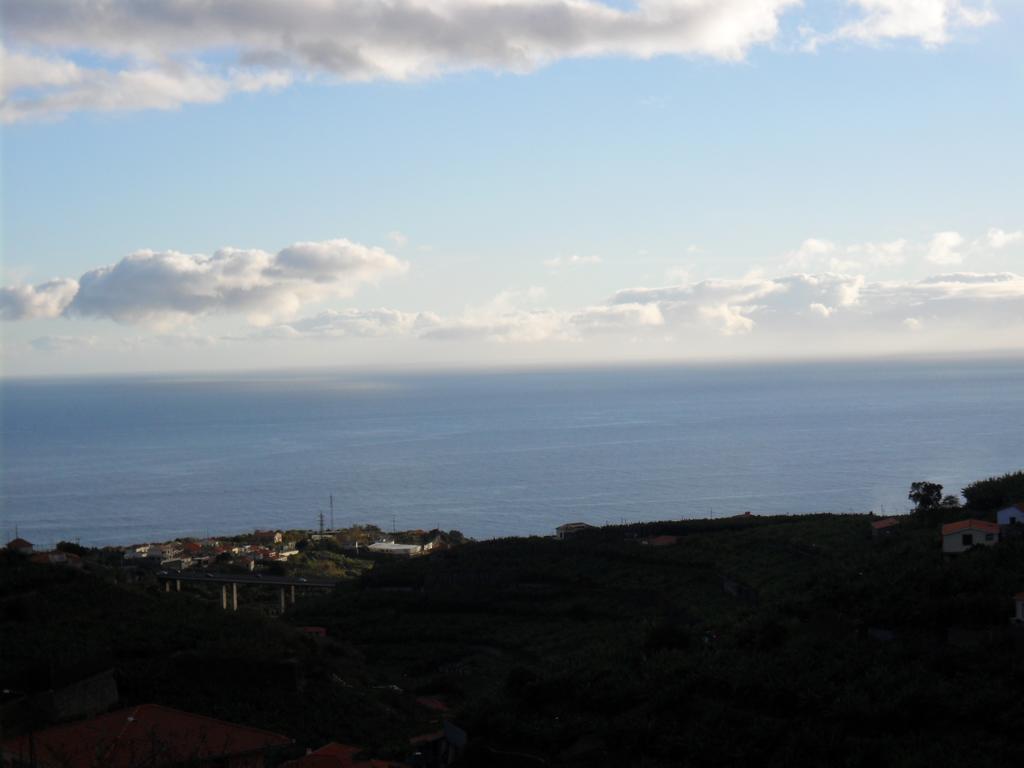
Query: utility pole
{"type": "Point", "coordinates": [321, 523]}
{"type": "Point", "coordinates": [332, 513]}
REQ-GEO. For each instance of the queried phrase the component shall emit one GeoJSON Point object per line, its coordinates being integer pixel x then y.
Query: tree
{"type": "Point", "coordinates": [926, 496]}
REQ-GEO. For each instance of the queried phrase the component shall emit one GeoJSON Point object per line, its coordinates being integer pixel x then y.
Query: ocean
{"type": "Point", "coordinates": [134, 459]}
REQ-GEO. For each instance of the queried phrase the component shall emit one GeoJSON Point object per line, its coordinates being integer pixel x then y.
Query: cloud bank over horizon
{"type": "Point", "coordinates": [66, 56]}
{"type": "Point", "coordinates": [166, 285]}
{"type": "Point", "coordinates": [807, 301]}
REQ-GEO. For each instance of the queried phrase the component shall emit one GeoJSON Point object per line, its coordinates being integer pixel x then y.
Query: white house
{"type": "Point", "coordinates": [1012, 515]}
{"type": "Point", "coordinates": [398, 550]}
{"type": "Point", "coordinates": [963, 534]}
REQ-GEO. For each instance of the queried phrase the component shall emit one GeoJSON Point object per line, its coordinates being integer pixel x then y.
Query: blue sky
{"type": "Point", "coordinates": [507, 214]}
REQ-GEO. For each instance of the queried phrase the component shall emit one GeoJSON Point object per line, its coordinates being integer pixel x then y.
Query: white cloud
{"type": "Point", "coordinates": [398, 239]}
{"type": "Point", "coordinates": [943, 248]}
{"type": "Point", "coordinates": [69, 55]}
{"type": "Point", "coordinates": [932, 22]}
{"type": "Point", "coordinates": [998, 239]}
{"type": "Point", "coordinates": [168, 285]}
{"type": "Point", "coordinates": [51, 87]}
{"type": "Point", "coordinates": [817, 254]}
{"type": "Point", "coordinates": [26, 302]}
{"type": "Point", "coordinates": [370, 323]}
{"type": "Point", "coordinates": [62, 343]}
{"type": "Point", "coordinates": [573, 260]}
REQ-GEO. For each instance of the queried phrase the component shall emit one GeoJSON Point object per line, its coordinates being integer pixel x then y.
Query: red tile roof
{"type": "Point", "coordinates": [149, 734]}
{"type": "Point", "coordinates": [662, 541]}
{"type": "Point", "coordinates": [966, 525]}
{"type": "Point", "coordinates": [18, 544]}
{"type": "Point", "coordinates": [886, 523]}
{"type": "Point", "coordinates": [335, 755]}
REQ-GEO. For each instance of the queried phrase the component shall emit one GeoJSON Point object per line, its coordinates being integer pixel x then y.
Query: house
{"type": "Point", "coordinates": [1018, 607]}
{"type": "Point", "coordinates": [569, 530]}
{"type": "Point", "coordinates": [147, 735]}
{"type": "Point", "coordinates": [57, 558]}
{"type": "Point", "coordinates": [192, 548]}
{"type": "Point", "coordinates": [335, 755]}
{"type": "Point", "coordinates": [20, 545]}
{"type": "Point", "coordinates": [269, 537]}
{"type": "Point", "coordinates": [962, 535]}
{"type": "Point", "coordinates": [1012, 515]}
{"type": "Point", "coordinates": [396, 550]}
{"type": "Point", "coordinates": [885, 527]}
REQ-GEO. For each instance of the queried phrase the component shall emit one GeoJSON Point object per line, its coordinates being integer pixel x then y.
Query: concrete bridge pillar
{"type": "Point", "coordinates": [234, 597]}
{"type": "Point", "coordinates": [293, 594]}
{"type": "Point", "coordinates": [167, 586]}
{"type": "Point", "coordinates": [282, 599]}
{"type": "Point", "coordinates": [224, 596]}
{"type": "Point", "coordinates": [177, 584]}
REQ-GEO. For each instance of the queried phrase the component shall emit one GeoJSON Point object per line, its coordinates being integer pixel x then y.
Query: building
{"type": "Point", "coordinates": [57, 558]}
{"type": "Point", "coordinates": [569, 530]}
{"type": "Point", "coordinates": [962, 535]}
{"type": "Point", "coordinates": [147, 735]}
{"type": "Point", "coordinates": [20, 545]}
{"type": "Point", "coordinates": [395, 550]}
{"type": "Point", "coordinates": [1012, 515]}
{"type": "Point", "coordinates": [335, 755]}
{"type": "Point", "coordinates": [268, 537]}
{"type": "Point", "coordinates": [884, 527]}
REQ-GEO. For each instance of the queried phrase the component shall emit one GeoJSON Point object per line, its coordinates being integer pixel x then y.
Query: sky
{"type": "Point", "coordinates": [255, 184]}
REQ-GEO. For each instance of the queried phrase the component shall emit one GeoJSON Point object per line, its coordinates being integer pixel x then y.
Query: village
{"type": "Point", "coordinates": [82, 719]}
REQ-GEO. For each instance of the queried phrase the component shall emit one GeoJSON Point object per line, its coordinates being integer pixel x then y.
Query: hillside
{"type": "Point", "coordinates": [748, 641]}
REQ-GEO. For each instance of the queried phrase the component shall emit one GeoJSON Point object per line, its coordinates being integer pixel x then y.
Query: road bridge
{"type": "Point", "coordinates": [287, 584]}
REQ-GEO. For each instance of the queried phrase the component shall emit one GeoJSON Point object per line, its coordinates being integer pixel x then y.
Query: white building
{"type": "Point", "coordinates": [1012, 515]}
{"type": "Point", "coordinates": [397, 550]}
{"type": "Point", "coordinates": [963, 534]}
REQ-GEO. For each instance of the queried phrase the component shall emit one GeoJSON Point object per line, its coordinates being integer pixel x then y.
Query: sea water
{"type": "Point", "coordinates": [123, 460]}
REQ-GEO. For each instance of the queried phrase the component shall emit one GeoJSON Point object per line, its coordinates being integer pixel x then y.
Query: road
{"type": "Point", "coordinates": [208, 577]}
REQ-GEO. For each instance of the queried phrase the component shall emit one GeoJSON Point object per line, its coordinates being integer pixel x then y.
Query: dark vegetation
{"type": "Point", "coordinates": [751, 641]}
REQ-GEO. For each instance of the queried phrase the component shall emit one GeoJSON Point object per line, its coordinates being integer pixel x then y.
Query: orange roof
{"type": "Point", "coordinates": [335, 755]}
{"type": "Point", "coordinates": [432, 702]}
{"type": "Point", "coordinates": [966, 525]}
{"type": "Point", "coordinates": [18, 544]}
{"type": "Point", "coordinates": [149, 734]}
{"type": "Point", "coordinates": [662, 541]}
{"type": "Point", "coordinates": [887, 523]}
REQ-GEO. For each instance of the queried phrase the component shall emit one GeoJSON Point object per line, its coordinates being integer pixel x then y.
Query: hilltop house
{"type": "Point", "coordinates": [962, 535]}
{"type": "Point", "coordinates": [149, 735]}
{"type": "Point", "coordinates": [571, 529]}
{"type": "Point", "coordinates": [1012, 515]}
{"type": "Point", "coordinates": [268, 537]}
{"type": "Point", "coordinates": [20, 545]}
